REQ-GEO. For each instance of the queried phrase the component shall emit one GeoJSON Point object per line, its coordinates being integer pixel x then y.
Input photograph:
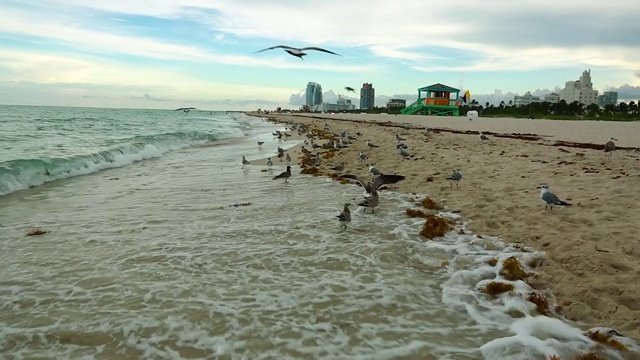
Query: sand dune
{"type": "Point", "coordinates": [593, 247]}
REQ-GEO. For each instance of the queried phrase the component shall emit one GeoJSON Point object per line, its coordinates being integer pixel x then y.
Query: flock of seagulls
{"type": "Point", "coordinates": [379, 180]}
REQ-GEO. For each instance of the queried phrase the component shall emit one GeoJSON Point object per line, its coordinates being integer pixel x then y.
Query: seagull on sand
{"type": "Point", "coordinates": [549, 199]}
{"type": "Point", "coordinates": [260, 143]}
{"type": "Point", "coordinates": [297, 52]}
{"type": "Point", "coordinates": [339, 167]}
{"type": "Point", "coordinates": [284, 175]}
{"type": "Point", "coordinates": [380, 181]}
{"type": "Point", "coordinates": [362, 156]}
{"type": "Point", "coordinates": [345, 216]}
{"type": "Point", "coordinates": [610, 146]}
{"type": "Point", "coordinates": [269, 163]}
{"type": "Point", "coordinates": [373, 171]}
{"type": "Point", "coordinates": [399, 138]}
{"type": "Point", "coordinates": [349, 88]}
{"type": "Point", "coordinates": [483, 136]}
{"type": "Point", "coordinates": [404, 153]}
{"type": "Point", "coordinates": [245, 162]}
{"type": "Point", "coordinates": [288, 158]}
{"type": "Point", "coordinates": [371, 145]}
{"type": "Point", "coordinates": [456, 176]}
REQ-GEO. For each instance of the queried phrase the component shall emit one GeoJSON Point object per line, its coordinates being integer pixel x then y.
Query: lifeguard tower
{"type": "Point", "coordinates": [436, 99]}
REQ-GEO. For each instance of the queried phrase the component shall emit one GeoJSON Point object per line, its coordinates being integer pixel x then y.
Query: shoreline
{"type": "Point", "coordinates": [591, 259]}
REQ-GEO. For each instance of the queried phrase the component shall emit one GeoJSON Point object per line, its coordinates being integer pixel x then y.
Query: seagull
{"type": "Point", "coordinates": [339, 167]}
{"type": "Point", "coordinates": [288, 158]}
{"type": "Point", "coordinates": [269, 163]}
{"type": "Point", "coordinates": [370, 144]}
{"type": "Point", "coordinates": [345, 216]}
{"type": "Point", "coordinates": [362, 156]}
{"type": "Point", "coordinates": [373, 171]}
{"type": "Point", "coordinates": [456, 176]}
{"type": "Point", "coordinates": [244, 162]}
{"type": "Point", "coordinates": [549, 199]}
{"type": "Point", "coordinates": [260, 143]}
{"type": "Point", "coordinates": [404, 153]}
{"type": "Point", "coordinates": [371, 202]}
{"type": "Point", "coordinates": [380, 181]}
{"type": "Point", "coordinates": [297, 52]}
{"type": "Point", "coordinates": [400, 138]}
{"type": "Point", "coordinates": [483, 136]}
{"type": "Point", "coordinates": [349, 88]}
{"type": "Point", "coordinates": [284, 175]}
{"type": "Point", "coordinates": [610, 146]}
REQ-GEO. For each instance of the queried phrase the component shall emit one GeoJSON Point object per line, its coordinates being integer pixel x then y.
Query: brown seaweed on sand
{"type": "Point", "coordinates": [434, 226]}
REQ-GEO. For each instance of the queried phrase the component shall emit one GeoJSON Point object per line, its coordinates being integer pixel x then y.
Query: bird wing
{"type": "Point", "coordinates": [384, 179]}
{"type": "Point", "coordinates": [360, 181]}
{"type": "Point", "coordinates": [319, 49]}
{"type": "Point", "coordinates": [550, 198]}
{"type": "Point", "coordinates": [275, 47]}
{"type": "Point", "coordinates": [284, 174]}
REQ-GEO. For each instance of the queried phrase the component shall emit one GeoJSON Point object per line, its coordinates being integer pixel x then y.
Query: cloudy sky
{"type": "Point", "coordinates": [201, 53]}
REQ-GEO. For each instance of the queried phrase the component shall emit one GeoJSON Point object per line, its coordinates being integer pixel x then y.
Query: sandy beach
{"type": "Point", "coordinates": [592, 248]}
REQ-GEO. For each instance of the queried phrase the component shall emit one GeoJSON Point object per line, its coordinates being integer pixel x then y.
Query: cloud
{"type": "Point", "coordinates": [627, 92]}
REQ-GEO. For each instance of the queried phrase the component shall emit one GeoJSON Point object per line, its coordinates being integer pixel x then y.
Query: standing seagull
{"type": "Point", "coordinates": [483, 136]}
{"type": "Point", "coordinates": [374, 172]}
{"type": "Point", "coordinates": [284, 175]}
{"type": "Point", "coordinates": [260, 143]}
{"type": "Point", "coordinates": [549, 199]}
{"type": "Point", "coordinates": [456, 176]}
{"type": "Point", "coordinates": [345, 216]}
{"type": "Point", "coordinates": [245, 162]}
{"type": "Point", "coordinates": [288, 158]}
{"type": "Point", "coordinates": [362, 156]}
{"type": "Point", "coordinates": [297, 52]}
{"type": "Point", "coordinates": [610, 146]}
{"type": "Point", "coordinates": [371, 202]}
{"type": "Point", "coordinates": [269, 163]}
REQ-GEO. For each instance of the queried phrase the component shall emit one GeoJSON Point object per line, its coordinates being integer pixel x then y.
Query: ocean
{"type": "Point", "coordinates": [159, 246]}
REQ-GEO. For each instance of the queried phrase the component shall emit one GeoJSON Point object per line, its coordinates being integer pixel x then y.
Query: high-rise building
{"type": "Point", "coordinates": [314, 94]}
{"type": "Point", "coordinates": [367, 96]}
{"type": "Point", "coordinates": [580, 90]}
{"type": "Point", "coordinates": [608, 98]}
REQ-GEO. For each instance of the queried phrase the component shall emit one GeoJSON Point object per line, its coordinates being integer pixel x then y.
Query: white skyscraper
{"type": "Point", "coordinates": [580, 90]}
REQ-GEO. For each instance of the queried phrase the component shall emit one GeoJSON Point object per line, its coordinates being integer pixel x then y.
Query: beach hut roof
{"type": "Point", "coordinates": [439, 87]}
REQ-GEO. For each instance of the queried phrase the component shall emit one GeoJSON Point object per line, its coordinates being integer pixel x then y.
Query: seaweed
{"type": "Point", "coordinates": [605, 339]}
{"type": "Point", "coordinates": [496, 287]}
{"type": "Point", "coordinates": [512, 270]}
{"type": "Point", "coordinates": [414, 213]}
{"type": "Point", "coordinates": [492, 261]}
{"type": "Point", "coordinates": [541, 302]}
{"type": "Point", "coordinates": [434, 226]}
{"type": "Point", "coordinates": [429, 203]}
{"type": "Point", "coordinates": [310, 171]}
{"type": "Point", "coordinates": [37, 232]}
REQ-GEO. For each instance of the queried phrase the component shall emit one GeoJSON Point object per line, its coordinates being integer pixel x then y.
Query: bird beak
{"type": "Point", "coordinates": [538, 187]}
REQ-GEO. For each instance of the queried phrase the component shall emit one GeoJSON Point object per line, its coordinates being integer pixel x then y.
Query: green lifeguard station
{"type": "Point", "coordinates": [436, 99]}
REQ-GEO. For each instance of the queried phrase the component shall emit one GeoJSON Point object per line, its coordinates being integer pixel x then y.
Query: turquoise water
{"type": "Point", "coordinates": [42, 144]}
{"type": "Point", "coordinates": [146, 254]}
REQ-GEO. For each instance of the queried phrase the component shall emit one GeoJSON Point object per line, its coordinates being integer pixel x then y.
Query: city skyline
{"type": "Point", "coordinates": [169, 53]}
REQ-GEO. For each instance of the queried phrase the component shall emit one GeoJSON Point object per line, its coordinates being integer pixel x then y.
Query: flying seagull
{"type": "Point", "coordinates": [297, 52]}
{"type": "Point", "coordinates": [380, 181]}
{"type": "Point", "coordinates": [349, 88]}
{"type": "Point", "coordinates": [345, 216]}
{"type": "Point", "coordinates": [549, 199]}
{"type": "Point", "coordinates": [284, 175]}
